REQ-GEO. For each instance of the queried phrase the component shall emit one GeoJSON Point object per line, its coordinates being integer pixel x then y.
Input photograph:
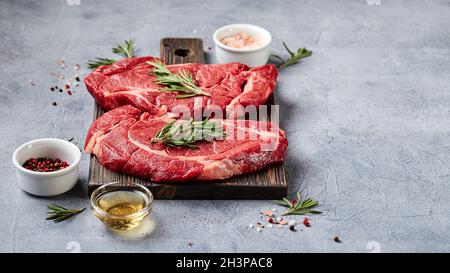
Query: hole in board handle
{"type": "Point", "coordinates": [182, 52]}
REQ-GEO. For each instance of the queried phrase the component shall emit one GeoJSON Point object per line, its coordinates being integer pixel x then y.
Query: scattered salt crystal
{"type": "Point", "coordinates": [77, 67]}
{"type": "Point", "coordinates": [250, 225]}
{"type": "Point", "coordinates": [274, 210]}
{"type": "Point", "coordinates": [258, 229]}
{"type": "Point", "coordinates": [61, 76]}
{"type": "Point", "coordinates": [61, 63]}
{"type": "Point", "coordinates": [269, 226]}
{"type": "Point", "coordinates": [32, 83]}
{"type": "Point", "coordinates": [291, 222]}
{"type": "Point", "coordinates": [268, 213]}
{"type": "Point", "coordinates": [279, 219]}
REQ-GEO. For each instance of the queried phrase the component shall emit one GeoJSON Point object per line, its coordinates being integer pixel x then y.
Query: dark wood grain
{"type": "Point", "coordinates": [268, 183]}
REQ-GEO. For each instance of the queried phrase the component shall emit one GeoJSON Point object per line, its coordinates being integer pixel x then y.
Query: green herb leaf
{"type": "Point", "coordinates": [58, 214]}
{"type": "Point", "coordinates": [181, 82]}
{"type": "Point", "coordinates": [186, 133]}
{"type": "Point", "coordinates": [100, 61]}
{"type": "Point", "coordinates": [125, 50]}
{"type": "Point", "coordinates": [299, 206]}
{"type": "Point", "coordinates": [294, 58]}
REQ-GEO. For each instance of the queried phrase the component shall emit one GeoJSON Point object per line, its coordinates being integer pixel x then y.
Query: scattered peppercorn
{"type": "Point", "coordinates": [292, 228]}
{"type": "Point", "coordinates": [52, 88]}
{"type": "Point", "coordinates": [306, 222]}
{"type": "Point", "coordinates": [67, 86]}
{"type": "Point", "coordinates": [44, 164]}
{"type": "Point", "coordinates": [337, 239]}
{"type": "Point", "coordinates": [54, 103]}
{"type": "Point", "coordinates": [77, 79]}
{"type": "Point", "coordinates": [60, 90]}
{"type": "Point", "coordinates": [69, 92]}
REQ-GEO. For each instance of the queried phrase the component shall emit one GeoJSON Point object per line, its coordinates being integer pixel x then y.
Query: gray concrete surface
{"type": "Point", "coordinates": [368, 120]}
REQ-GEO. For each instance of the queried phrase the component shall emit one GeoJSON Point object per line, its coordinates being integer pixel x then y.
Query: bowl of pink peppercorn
{"type": "Point", "coordinates": [47, 166]}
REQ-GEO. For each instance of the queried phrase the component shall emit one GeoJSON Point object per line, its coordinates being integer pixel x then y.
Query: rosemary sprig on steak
{"type": "Point", "coordinates": [126, 50]}
{"type": "Point", "coordinates": [299, 206]}
{"type": "Point", "coordinates": [58, 214]}
{"type": "Point", "coordinates": [186, 133]}
{"type": "Point", "coordinates": [294, 56]}
{"type": "Point", "coordinates": [182, 82]}
{"type": "Point", "coordinates": [100, 61]}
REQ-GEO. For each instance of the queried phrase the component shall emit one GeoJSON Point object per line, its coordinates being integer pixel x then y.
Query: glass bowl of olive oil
{"type": "Point", "coordinates": [122, 206]}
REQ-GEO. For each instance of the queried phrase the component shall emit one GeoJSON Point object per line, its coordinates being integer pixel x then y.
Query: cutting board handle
{"type": "Point", "coordinates": [182, 50]}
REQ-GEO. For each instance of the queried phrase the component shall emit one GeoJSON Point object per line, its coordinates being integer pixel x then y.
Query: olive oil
{"type": "Point", "coordinates": [122, 210]}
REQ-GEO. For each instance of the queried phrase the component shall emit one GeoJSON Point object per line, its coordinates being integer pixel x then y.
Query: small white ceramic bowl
{"type": "Point", "coordinates": [47, 183]}
{"type": "Point", "coordinates": [250, 56]}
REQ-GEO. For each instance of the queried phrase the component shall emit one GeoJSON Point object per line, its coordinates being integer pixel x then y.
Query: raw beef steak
{"type": "Point", "coordinates": [121, 140]}
{"type": "Point", "coordinates": [128, 82]}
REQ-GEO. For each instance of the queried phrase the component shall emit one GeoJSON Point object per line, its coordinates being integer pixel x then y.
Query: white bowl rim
{"type": "Point", "coordinates": [220, 44]}
{"type": "Point", "coordinates": [48, 174]}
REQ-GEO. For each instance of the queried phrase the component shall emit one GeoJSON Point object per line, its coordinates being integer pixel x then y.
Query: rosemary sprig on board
{"type": "Point", "coordinates": [125, 50]}
{"type": "Point", "coordinates": [186, 133]}
{"type": "Point", "coordinates": [294, 56]}
{"type": "Point", "coordinates": [58, 214]}
{"type": "Point", "coordinates": [181, 82]}
{"type": "Point", "coordinates": [299, 206]}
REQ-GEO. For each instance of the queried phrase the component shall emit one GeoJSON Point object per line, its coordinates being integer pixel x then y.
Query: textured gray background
{"type": "Point", "coordinates": [367, 119]}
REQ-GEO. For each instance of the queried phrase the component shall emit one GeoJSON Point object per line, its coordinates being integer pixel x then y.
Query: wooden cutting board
{"type": "Point", "coordinates": [268, 183]}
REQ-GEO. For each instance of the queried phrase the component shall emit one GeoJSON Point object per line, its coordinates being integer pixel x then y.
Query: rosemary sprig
{"type": "Point", "coordinates": [100, 61]}
{"type": "Point", "coordinates": [294, 56]}
{"type": "Point", "coordinates": [58, 214]}
{"type": "Point", "coordinates": [125, 50]}
{"type": "Point", "coordinates": [181, 82]}
{"type": "Point", "coordinates": [299, 206]}
{"type": "Point", "coordinates": [186, 133]}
